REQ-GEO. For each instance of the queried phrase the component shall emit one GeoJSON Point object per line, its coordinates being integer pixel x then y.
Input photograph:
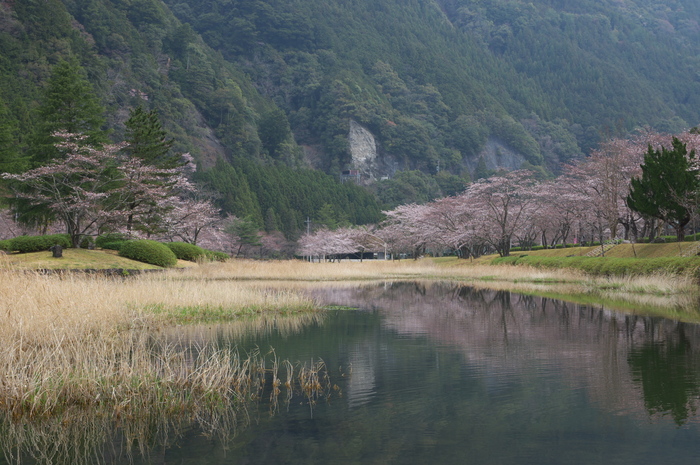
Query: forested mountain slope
{"type": "Point", "coordinates": [427, 93]}
{"type": "Point", "coordinates": [433, 80]}
{"type": "Point", "coordinates": [136, 53]}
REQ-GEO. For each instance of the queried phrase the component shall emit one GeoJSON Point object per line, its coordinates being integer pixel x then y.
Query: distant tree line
{"type": "Point", "coordinates": [628, 189]}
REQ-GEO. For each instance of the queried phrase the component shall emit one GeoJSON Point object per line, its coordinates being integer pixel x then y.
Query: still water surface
{"type": "Point", "coordinates": [445, 374]}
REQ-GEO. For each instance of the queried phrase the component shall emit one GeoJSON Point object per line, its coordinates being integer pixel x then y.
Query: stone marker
{"type": "Point", "coordinates": [57, 251]}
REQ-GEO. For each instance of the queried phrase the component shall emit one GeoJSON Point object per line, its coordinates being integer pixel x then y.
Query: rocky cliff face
{"type": "Point", "coordinates": [496, 156]}
{"type": "Point", "coordinates": [365, 157]}
{"type": "Point", "coordinates": [363, 149]}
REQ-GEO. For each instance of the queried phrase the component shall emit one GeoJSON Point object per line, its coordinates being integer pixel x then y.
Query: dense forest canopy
{"type": "Point", "coordinates": [264, 93]}
{"type": "Point", "coordinates": [549, 79]}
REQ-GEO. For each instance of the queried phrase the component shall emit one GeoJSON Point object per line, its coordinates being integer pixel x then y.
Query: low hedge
{"type": "Point", "coordinates": [610, 266]}
{"type": "Point", "coordinates": [111, 241]}
{"type": "Point", "coordinates": [6, 245]}
{"type": "Point", "coordinates": [27, 244]}
{"type": "Point", "coordinates": [147, 251]}
{"type": "Point", "coordinates": [216, 256]}
{"type": "Point", "coordinates": [185, 251]}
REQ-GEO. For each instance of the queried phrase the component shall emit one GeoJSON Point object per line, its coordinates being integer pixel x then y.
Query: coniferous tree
{"type": "Point", "coordinates": [69, 104]}
{"type": "Point", "coordinates": [149, 144]}
{"type": "Point", "coordinates": [148, 141]}
{"type": "Point", "coordinates": [245, 231]}
{"type": "Point", "coordinates": [273, 129]}
{"type": "Point", "coordinates": [11, 160]}
{"type": "Point", "coordinates": [668, 187]}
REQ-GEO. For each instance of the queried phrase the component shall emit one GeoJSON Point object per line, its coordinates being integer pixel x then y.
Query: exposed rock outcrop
{"type": "Point", "coordinates": [496, 156]}
{"type": "Point", "coordinates": [363, 149]}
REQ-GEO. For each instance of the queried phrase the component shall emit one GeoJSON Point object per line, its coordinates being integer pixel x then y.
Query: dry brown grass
{"type": "Point", "coordinates": [297, 270]}
{"type": "Point", "coordinates": [76, 342]}
{"type": "Point", "coordinates": [82, 354]}
{"type": "Point", "coordinates": [517, 277]}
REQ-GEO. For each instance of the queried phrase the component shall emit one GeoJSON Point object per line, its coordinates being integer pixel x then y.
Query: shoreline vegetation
{"type": "Point", "coordinates": [77, 345]}
{"type": "Point", "coordinates": [135, 351]}
{"type": "Point", "coordinates": [661, 293]}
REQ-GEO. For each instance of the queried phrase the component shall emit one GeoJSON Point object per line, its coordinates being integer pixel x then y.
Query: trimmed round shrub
{"type": "Point", "coordinates": [185, 251]}
{"type": "Point", "coordinates": [27, 244]}
{"type": "Point", "coordinates": [87, 242]}
{"type": "Point", "coordinates": [6, 245]}
{"type": "Point", "coordinates": [147, 251]}
{"type": "Point", "coordinates": [111, 241]}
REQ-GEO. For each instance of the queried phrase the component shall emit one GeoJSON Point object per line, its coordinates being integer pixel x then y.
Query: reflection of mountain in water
{"type": "Point", "coordinates": [611, 354]}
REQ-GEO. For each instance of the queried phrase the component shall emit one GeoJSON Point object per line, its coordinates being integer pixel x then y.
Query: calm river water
{"type": "Point", "coordinates": [445, 374]}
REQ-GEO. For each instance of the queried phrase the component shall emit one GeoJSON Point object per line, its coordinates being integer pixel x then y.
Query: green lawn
{"type": "Point", "coordinates": [619, 251]}
{"type": "Point", "coordinates": [78, 259]}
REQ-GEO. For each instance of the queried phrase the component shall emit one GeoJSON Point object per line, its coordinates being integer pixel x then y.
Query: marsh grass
{"type": "Point", "coordinates": [660, 293]}
{"type": "Point", "coordinates": [148, 388]}
{"type": "Point", "coordinates": [297, 270]}
{"type": "Point", "coordinates": [141, 353]}
{"type": "Point", "coordinates": [74, 344]}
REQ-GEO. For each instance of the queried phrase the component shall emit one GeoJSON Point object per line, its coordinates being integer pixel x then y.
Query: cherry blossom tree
{"type": "Point", "coordinates": [275, 245]}
{"type": "Point", "coordinates": [327, 244]}
{"type": "Point", "coordinates": [10, 228]}
{"type": "Point", "coordinates": [455, 224]}
{"type": "Point", "coordinates": [76, 187]}
{"type": "Point", "coordinates": [504, 204]}
{"type": "Point", "coordinates": [91, 190]}
{"type": "Point", "coordinates": [408, 228]}
{"type": "Point", "coordinates": [147, 193]}
{"type": "Point", "coordinates": [366, 239]}
{"type": "Point", "coordinates": [185, 219]}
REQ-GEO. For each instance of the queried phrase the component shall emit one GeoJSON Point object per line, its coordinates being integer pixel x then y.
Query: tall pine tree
{"type": "Point", "coordinates": [668, 187]}
{"type": "Point", "coordinates": [148, 141]}
{"type": "Point", "coordinates": [70, 104]}
{"type": "Point", "coordinates": [11, 160]}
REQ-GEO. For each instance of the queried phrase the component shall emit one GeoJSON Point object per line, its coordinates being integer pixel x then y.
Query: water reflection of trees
{"type": "Point", "coordinates": [614, 354]}
{"type": "Point", "coordinates": [668, 374]}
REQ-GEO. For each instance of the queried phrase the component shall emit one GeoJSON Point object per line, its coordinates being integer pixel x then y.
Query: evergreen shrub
{"type": "Point", "coordinates": [111, 241]}
{"type": "Point", "coordinates": [185, 251]}
{"type": "Point", "coordinates": [86, 242]}
{"type": "Point", "coordinates": [216, 256]}
{"type": "Point", "coordinates": [27, 244]}
{"type": "Point", "coordinates": [6, 245]}
{"type": "Point", "coordinates": [147, 251]}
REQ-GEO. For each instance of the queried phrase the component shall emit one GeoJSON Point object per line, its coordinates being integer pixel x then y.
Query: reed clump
{"type": "Point", "coordinates": [149, 390]}
{"type": "Point", "coordinates": [90, 342]}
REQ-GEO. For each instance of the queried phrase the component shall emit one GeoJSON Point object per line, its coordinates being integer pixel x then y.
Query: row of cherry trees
{"type": "Point", "coordinates": [90, 190]}
{"type": "Point", "coordinates": [586, 203]}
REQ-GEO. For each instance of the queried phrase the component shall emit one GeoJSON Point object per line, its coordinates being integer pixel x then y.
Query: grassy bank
{"type": "Point", "coordinates": [610, 265]}
{"type": "Point", "coordinates": [659, 293]}
{"type": "Point", "coordinates": [77, 259]}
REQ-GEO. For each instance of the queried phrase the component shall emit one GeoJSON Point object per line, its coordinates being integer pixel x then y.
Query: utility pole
{"type": "Point", "coordinates": [308, 232]}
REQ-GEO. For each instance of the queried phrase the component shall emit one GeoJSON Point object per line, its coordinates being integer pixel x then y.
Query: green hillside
{"type": "Point", "coordinates": [435, 79]}
{"type": "Point", "coordinates": [265, 93]}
